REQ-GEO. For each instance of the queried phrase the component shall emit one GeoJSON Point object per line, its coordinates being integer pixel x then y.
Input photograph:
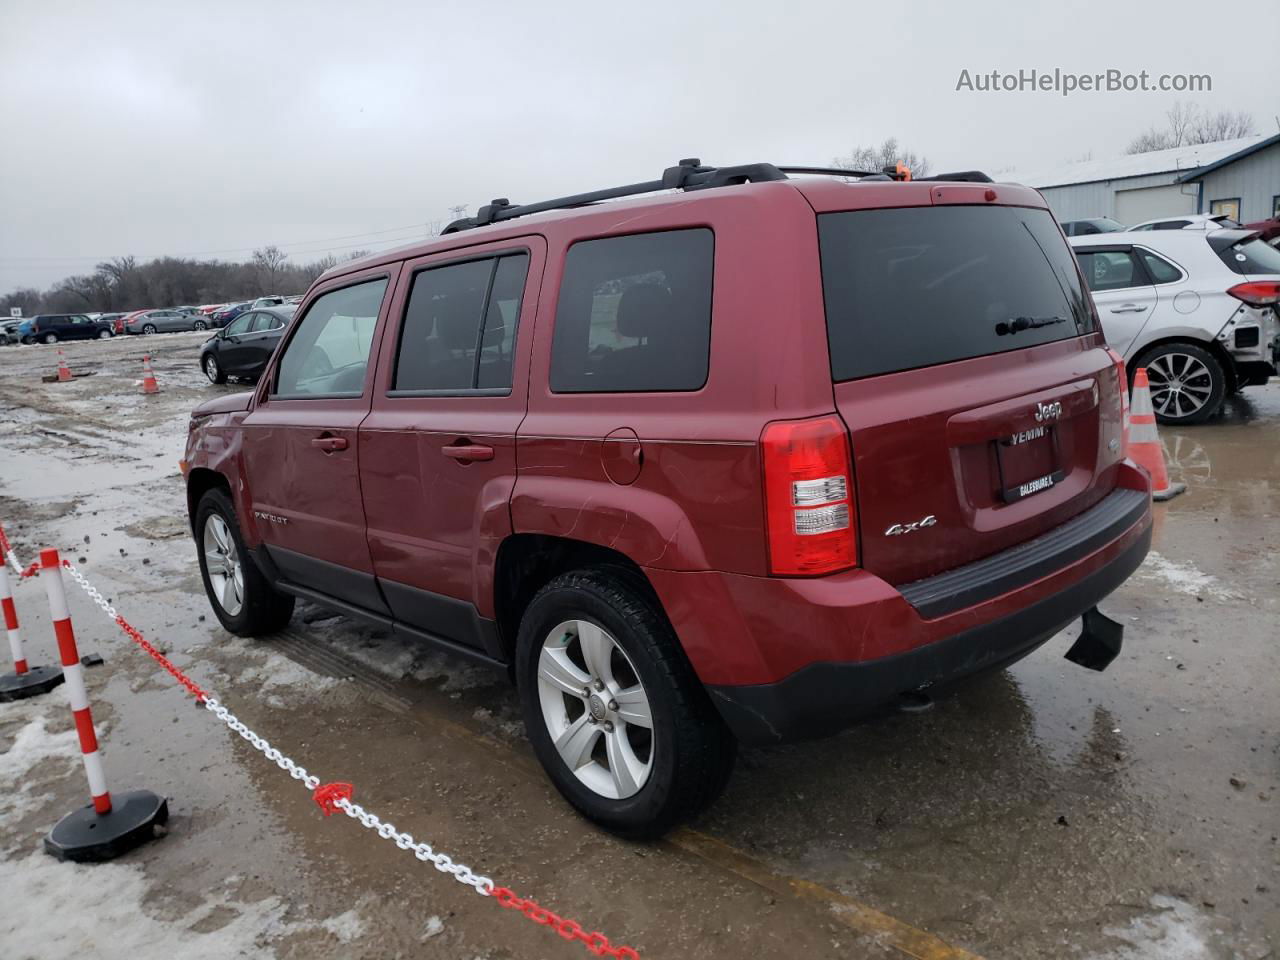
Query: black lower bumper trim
{"type": "Point", "coordinates": [823, 698]}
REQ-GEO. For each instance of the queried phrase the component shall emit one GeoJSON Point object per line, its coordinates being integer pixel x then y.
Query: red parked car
{"type": "Point", "coordinates": [743, 462]}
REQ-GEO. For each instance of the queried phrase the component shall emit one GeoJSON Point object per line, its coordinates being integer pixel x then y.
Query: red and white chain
{"type": "Point", "coordinates": [462, 873]}
{"type": "Point", "coordinates": [337, 796]}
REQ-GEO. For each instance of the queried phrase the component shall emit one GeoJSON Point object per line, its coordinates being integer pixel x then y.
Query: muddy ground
{"type": "Point", "coordinates": [1044, 812]}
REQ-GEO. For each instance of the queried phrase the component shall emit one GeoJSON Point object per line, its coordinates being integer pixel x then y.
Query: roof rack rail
{"type": "Point", "coordinates": [688, 174]}
{"type": "Point", "coordinates": [962, 176]}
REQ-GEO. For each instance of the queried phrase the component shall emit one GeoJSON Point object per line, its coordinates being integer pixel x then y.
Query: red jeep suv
{"type": "Point", "coordinates": [743, 456]}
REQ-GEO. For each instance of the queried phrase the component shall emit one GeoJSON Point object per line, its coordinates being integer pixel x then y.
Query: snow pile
{"type": "Point", "coordinates": [32, 745]}
{"type": "Point", "coordinates": [1177, 931]}
{"type": "Point", "coordinates": [1183, 577]}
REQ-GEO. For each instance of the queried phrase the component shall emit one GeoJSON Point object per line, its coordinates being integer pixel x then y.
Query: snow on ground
{"type": "Point", "coordinates": [1183, 577]}
{"type": "Point", "coordinates": [32, 744]}
{"type": "Point", "coordinates": [1176, 931]}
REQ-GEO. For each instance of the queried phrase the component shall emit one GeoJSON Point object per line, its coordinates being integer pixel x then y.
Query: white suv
{"type": "Point", "coordinates": [1197, 308]}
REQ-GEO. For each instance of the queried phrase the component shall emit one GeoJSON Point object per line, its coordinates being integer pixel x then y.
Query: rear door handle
{"type": "Point", "coordinates": [468, 452]}
{"type": "Point", "coordinates": [1128, 308]}
{"type": "Point", "coordinates": [330, 444]}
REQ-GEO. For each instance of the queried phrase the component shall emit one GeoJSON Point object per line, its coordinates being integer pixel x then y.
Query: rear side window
{"type": "Point", "coordinates": [1252, 256]}
{"type": "Point", "coordinates": [917, 286]}
{"type": "Point", "coordinates": [329, 352]}
{"type": "Point", "coordinates": [460, 325]}
{"type": "Point", "coordinates": [634, 314]}
{"type": "Point", "coordinates": [1161, 270]}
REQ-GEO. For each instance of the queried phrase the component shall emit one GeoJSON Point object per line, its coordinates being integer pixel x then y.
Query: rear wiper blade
{"type": "Point", "coordinates": [1014, 324]}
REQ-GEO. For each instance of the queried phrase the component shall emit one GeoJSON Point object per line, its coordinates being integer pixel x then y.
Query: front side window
{"type": "Point", "coordinates": [459, 326]}
{"type": "Point", "coordinates": [239, 325]}
{"type": "Point", "coordinates": [329, 353]}
{"type": "Point", "coordinates": [1110, 270]}
{"type": "Point", "coordinates": [635, 314]}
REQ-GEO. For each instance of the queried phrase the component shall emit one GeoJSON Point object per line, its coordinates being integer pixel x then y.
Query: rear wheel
{"type": "Point", "coordinates": [149, 328]}
{"type": "Point", "coordinates": [201, 325]}
{"type": "Point", "coordinates": [613, 709]}
{"type": "Point", "coordinates": [1187, 382]}
{"type": "Point", "coordinates": [242, 598]}
{"type": "Point", "coordinates": [104, 334]}
{"type": "Point", "coordinates": [213, 370]}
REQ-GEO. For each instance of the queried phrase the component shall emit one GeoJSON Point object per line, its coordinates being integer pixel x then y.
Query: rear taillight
{"type": "Point", "coordinates": [1122, 379]}
{"type": "Point", "coordinates": [1257, 293]}
{"type": "Point", "coordinates": [808, 488]}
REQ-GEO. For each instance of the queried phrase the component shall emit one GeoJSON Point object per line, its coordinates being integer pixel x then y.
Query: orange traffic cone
{"type": "Point", "coordinates": [149, 384]}
{"type": "Point", "coordinates": [64, 372]}
{"type": "Point", "coordinates": [1144, 443]}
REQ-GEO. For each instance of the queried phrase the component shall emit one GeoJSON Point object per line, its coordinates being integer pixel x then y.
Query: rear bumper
{"type": "Point", "coordinates": [794, 659]}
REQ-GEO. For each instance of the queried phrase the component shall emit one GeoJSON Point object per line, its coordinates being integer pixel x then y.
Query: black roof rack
{"type": "Point", "coordinates": [690, 174]}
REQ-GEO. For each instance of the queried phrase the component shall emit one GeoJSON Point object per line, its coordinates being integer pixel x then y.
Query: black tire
{"type": "Point", "coordinates": [49, 337]}
{"type": "Point", "coordinates": [104, 334]}
{"type": "Point", "coordinates": [215, 375]}
{"type": "Point", "coordinates": [1179, 405]}
{"type": "Point", "coordinates": [692, 750]}
{"type": "Point", "coordinates": [149, 329]}
{"type": "Point", "coordinates": [201, 325]}
{"type": "Point", "coordinates": [264, 610]}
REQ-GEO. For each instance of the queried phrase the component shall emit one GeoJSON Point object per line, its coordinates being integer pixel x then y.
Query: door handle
{"type": "Point", "coordinates": [467, 452]}
{"type": "Point", "coordinates": [1128, 308]}
{"type": "Point", "coordinates": [330, 444]}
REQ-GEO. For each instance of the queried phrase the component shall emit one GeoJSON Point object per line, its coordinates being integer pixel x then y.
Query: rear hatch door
{"type": "Point", "coordinates": [982, 405]}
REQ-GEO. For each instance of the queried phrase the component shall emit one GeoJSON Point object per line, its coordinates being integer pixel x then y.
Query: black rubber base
{"type": "Point", "coordinates": [88, 837]}
{"type": "Point", "coordinates": [37, 680]}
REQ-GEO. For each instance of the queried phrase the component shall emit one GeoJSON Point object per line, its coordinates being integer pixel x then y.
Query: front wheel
{"type": "Point", "coordinates": [213, 370]}
{"type": "Point", "coordinates": [613, 709]}
{"type": "Point", "coordinates": [1187, 382]}
{"type": "Point", "coordinates": [49, 338]}
{"type": "Point", "coordinates": [104, 334]}
{"type": "Point", "coordinates": [242, 598]}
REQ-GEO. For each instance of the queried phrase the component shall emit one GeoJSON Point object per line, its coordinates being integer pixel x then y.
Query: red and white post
{"type": "Point", "coordinates": [73, 671]}
{"type": "Point", "coordinates": [25, 681]}
{"type": "Point", "coordinates": [104, 829]}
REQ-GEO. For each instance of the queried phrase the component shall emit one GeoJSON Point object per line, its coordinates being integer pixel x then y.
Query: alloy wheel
{"type": "Point", "coordinates": [1180, 384]}
{"type": "Point", "coordinates": [222, 563]}
{"type": "Point", "coordinates": [148, 329]}
{"type": "Point", "coordinates": [595, 709]}
{"type": "Point", "coordinates": [201, 325]}
{"type": "Point", "coordinates": [211, 369]}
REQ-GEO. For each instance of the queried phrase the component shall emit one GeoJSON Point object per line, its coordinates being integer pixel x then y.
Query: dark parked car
{"type": "Point", "coordinates": [1084, 228]}
{"type": "Point", "coordinates": [52, 327]}
{"type": "Point", "coordinates": [243, 347]}
{"type": "Point", "coordinates": [739, 460]}
{"type": "Point", "coordinates": [224, 315]}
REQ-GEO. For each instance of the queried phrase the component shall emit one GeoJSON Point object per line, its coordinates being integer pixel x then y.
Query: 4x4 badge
{"type": "Point", "coordinates": [900, 528]}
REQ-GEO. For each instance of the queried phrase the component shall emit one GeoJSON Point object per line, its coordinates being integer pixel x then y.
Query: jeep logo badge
{"type": "Point", "coordinates": [1048, 411]}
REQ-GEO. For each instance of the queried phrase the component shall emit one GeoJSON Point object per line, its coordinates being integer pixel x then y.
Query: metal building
{"type": "Point", "coordinates": [1240, 178]}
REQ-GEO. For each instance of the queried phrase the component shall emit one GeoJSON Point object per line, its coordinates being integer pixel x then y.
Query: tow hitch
{"type": "Point", "coordinates": [1099, 642]}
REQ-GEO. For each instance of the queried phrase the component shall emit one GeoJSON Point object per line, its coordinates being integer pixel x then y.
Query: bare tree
{"type": "Point", "coordinates": [888, 154]}
{"type": "Point", "coordinates": [268, 261]}
{"type": "Point", "coordinates": [1186, 123]}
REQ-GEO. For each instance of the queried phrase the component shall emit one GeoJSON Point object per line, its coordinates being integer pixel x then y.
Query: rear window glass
{"type": "Point", "coordinates": [1252, 256]}
{"type": "Point", "coordinates": [917, 286]}
{"type": "Point", "coordinates": [634, 314]}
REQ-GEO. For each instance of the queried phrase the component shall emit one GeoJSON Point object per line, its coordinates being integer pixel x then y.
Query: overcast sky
{"type": "Point", "coordinates": [167, 128]}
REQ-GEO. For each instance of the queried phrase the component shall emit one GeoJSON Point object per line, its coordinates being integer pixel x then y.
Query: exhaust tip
{"type": "Point", "coordinates": [914, 701]}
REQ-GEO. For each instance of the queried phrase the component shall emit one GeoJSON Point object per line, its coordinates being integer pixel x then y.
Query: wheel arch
{"type": "Point", "coordinates": [526, 562]}
{"type": "Point", "coordinates": [1211, 346]}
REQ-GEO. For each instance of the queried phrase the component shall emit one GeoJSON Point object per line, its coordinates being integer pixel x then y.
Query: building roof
{"type": "Point", "coordinates": [1188, 160]}
{"type": "Point", "coordinates": [1239, 155]}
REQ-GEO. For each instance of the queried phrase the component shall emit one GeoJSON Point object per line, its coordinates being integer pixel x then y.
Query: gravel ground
{"type": "Point", "coordinates": [1043, 812]}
